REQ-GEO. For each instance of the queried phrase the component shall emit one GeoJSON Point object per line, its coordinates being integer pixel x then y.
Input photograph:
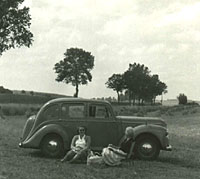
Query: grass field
{"type": "Point", "coordinates": [182, 162]}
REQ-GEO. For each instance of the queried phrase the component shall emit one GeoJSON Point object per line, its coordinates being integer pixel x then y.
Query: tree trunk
{"type": "Point", "coordinates": [134, 99]}
{"type": "Point", "coordinates": [118, 96]}
{"type": "Point", "coordinates": [76, 94]}
{"type": "Point", "coordinates": [130, 97]}
{"type": "Point", "coordinates": [142, 102]}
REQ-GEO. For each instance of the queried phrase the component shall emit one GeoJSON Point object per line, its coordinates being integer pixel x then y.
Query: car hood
{"type": "Point", "coordinates": [142, 120]}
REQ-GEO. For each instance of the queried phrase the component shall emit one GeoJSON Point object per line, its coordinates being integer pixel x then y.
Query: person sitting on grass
{"type": "Point", "coordinates": [80, 147]}
{"type": "Point", "coordinates": [113, 155]}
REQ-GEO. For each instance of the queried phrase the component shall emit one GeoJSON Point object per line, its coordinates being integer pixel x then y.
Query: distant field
{"type": "Point", "coordinates": [22, 104]}
{"type": "Point", "coordinates": [156, 111]}
{"type": "Point", "coordinates": [12, 109]}
{"type": "Point", "coordinates": [182, 163]}
{"type": "Point", "coordinates": [25, 98]}
{"type": "Point", "coordinates": [23, 108]}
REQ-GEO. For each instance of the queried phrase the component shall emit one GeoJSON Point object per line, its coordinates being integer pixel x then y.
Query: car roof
{"type": "Point", "coordinates": [72, 99]}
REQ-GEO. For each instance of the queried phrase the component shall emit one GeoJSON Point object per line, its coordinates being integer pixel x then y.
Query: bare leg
{"type": "Point", "coordinates": [78, 156]}
{"type": "Point", "coordinates": [69, 156]}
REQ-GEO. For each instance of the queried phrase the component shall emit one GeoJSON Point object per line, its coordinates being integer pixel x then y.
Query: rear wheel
{"type": "Point", "coordinates": [147, 147]}
{"type": "Point", "coordinates": [52, 146]}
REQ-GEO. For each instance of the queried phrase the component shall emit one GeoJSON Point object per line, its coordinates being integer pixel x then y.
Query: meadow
{"type": "Point", "coordinates": [183, 162]}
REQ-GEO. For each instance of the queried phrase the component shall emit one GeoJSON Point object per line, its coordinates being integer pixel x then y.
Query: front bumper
{"type": "Point", "coordinates": [27, 145]}
{"type": "Point", "coordinates": [23, 143]}
{"type": "Point", "coordinates": [168, 148]}
{"type": "Point", "coordinates": [20, 144]}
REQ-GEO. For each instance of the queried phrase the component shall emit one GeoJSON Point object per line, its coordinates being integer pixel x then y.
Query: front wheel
{"type": "Point", "coordinates": [147, 148]}
{"type": "Point", "coordinates": [52, 146]}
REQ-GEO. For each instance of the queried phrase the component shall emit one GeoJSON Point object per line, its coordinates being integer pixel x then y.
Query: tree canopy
{"type": "Point", "coordinates": [14, 25]}
{"type": "Point", "coordinates": [75, 68]}
{"type": "Point", "coordinates": [116, 83]}
{"type": "Point", "coordinates": [140, 85]}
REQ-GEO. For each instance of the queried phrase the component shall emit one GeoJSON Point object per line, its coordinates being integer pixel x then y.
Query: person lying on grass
{"type": "Point", "coordinates": [113, 155]}
{"type": "Point", "coordinates": [80, 146]}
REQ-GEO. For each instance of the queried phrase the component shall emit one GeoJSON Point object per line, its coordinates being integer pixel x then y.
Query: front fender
{"type": "Point", "coordinates": [158, 131]}
{"type": "Point", "coordinates": [35, 140]}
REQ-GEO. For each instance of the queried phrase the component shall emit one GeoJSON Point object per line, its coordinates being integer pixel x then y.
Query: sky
{"type": "Point", "coordinates": [163, 35]}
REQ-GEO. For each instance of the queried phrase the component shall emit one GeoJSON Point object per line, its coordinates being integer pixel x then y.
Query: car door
{"type": "Point", "coordinates": [73, 115]}
{"type": "Point", "coordinates": [102, 126]}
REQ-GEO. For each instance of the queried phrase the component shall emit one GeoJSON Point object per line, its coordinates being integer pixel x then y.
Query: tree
{"type": "Point", "coordinates": [182, 99]}
{"type": "Point", "coordinates": [135, 79]}
{"type": "Point", "coordinates": [75, 68]}
{"type": "Point", "coordinates": [23, 92]}
{"type": "Point", "coordinates": [116, 82]}
{"type": "Point", "coordinates": [155, 88]}
{"type": "Point", "coordinates": [141, 86]}
{"type": "Point", "coordinates": [14, 25]}
{"type": "Point", "coordinates": [32, 93]}
{"type": "Point", "coordinates": [5, 91]}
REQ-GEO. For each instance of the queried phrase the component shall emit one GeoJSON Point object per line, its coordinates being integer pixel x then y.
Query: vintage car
{"type": "Point", "coordinates": [52, 129]}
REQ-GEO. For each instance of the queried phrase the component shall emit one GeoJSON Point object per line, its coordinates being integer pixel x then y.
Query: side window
{"type": "Point", "coordinates": [52, 112]}
{"type": "Point", "coordinates": [98, 111]}
{"type": "Point", "coordinates": [76, 111]}
{"type": "Point", "coordinates": [73, 110]}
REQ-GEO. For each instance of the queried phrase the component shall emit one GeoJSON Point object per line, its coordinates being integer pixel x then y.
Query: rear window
{"type": "Point", "coordinates": [52, 112]}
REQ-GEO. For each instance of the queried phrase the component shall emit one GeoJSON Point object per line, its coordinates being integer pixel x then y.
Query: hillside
{"type": "Point", "coordinates": [36, 93]}
{"type": "Point", "coordinates": [27, 97]}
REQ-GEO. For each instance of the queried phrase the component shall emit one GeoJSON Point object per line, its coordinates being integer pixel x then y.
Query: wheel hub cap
{"type": "Point", "coordinates": [147, 148]}
{"type": "Point", "coordinates": [52, 145]}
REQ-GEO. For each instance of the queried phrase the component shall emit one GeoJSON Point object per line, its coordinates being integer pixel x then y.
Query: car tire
{"type": "Point", "coordinates": [52, 146]}
{"type": "Point", "coordinates": [147, 147]}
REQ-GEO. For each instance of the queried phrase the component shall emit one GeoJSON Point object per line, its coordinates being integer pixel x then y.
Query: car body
{"type": "Point", "coordinates": [57, 121]}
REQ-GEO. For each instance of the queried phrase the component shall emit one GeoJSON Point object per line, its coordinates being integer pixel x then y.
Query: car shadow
{"type": "Point", "coordinates": [177, 161]}
{"type": "Point", "coordinates": [37, 154]}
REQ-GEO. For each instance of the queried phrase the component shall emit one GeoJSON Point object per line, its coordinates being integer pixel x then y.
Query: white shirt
{"type": "Point", "coordinates": [80, 142]}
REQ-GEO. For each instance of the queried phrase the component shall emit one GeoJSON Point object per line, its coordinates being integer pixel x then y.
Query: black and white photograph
{"type": "Point", "coordinates": [99, 89]}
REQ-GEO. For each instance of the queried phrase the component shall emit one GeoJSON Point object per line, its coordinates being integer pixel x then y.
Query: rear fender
{"type": "Point", "coordinates": [27, 127]}
{"type": "Point", "coordinates": [35, 140]}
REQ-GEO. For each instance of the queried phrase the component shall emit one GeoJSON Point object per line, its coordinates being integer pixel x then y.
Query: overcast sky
{"type": "Point", "coordinates": [163, 35]}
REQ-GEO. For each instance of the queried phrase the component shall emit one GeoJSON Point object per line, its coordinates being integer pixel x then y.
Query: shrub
{"type": "Point", "coordinates": [193, 103]}
{"type": "Point", "coordinates": [23, 91]}
{"type": "Point", "coordinates": [182, 99]}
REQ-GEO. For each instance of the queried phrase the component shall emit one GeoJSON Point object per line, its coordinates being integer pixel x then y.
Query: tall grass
{"type": "Point", "coordinates": [13, 109]}
{"type": "Point", "coordinates": [182, 162]}
{"type": "Point", "coordinates": [156, 110]}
